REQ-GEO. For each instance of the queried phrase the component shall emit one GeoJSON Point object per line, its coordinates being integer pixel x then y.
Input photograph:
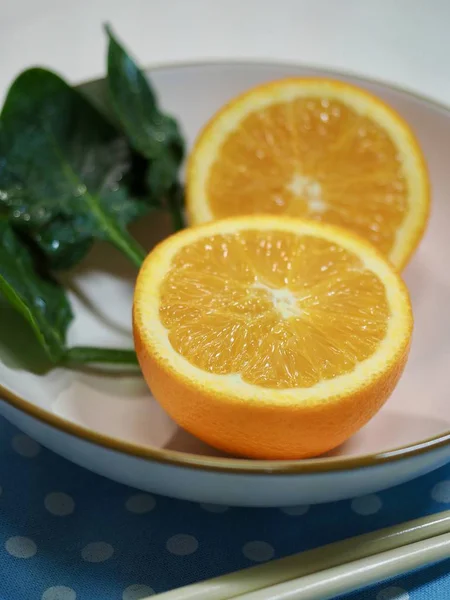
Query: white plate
{"type": "Point", "coordinates": [110, 424]}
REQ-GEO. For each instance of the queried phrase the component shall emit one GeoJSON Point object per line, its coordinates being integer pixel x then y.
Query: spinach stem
{"type": "Point", "coordinates": [88, 354]}
{"type": "Point", "coordinates": [130, 247]}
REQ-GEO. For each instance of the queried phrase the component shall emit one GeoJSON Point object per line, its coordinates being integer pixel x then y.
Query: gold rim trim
{"type": "Point", "coordinates": [223, 465]}
{"type": "Point", "coordinates": [233, 465]}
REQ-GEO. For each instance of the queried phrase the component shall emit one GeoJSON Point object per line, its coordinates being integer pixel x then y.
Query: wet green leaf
{"type": "Point", "coordinates": [152, 133]}
{"type": "Point", "coordinates": [64, 171]}
{"type": "Point", "coordinates": [40, 300]}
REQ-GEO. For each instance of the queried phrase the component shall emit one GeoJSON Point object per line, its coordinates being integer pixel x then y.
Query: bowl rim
{"type": "Point", "coordinates": [238, 465]}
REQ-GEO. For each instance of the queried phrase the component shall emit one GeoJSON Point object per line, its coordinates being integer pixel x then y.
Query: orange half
{"type": "Point", "coordinates": [270, 337]}
{"type": "Point", "coordinates": [313, 148]}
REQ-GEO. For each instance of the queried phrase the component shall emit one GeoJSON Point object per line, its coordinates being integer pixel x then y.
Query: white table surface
{"type": "Point", "coordinates": [406, 42]}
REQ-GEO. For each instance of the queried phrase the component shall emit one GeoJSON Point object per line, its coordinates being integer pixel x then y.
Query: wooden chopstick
{"type": "Point", "coordinates": [306, 563]}
{"type": "Point", "coordinates": [355, 575]}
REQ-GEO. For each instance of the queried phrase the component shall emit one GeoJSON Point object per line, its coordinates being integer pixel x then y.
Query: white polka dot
{"type": "Point", "coordinates": [21, 547]}
{"type": "Point", "coordinates": [258, 551]}
{"type": "Point", "coordinates": [441, 492]}
{"type": "Point", "coordinates": [393, 593]}
{"type": "Point", "coordinates": [25, 446]}
{"type": "Point", "coordinates": [140, 503]}
{"type": "Point", "coordinates": [214, 508]}
{"type": "Point", "coordinates": [294, 511]}
{"type": "Point", "coordinates": [182, 544]}
{"type": "Point", "coordinates": [59, 504]}
{"type": "Point", "coordinates": [59, 592]}
{"type": "Point", "coordinates": [137, 592]}
{"type": "Point", "coordinates": [367, 505]}
{"type": "Point", "coordinates": [97, 552]}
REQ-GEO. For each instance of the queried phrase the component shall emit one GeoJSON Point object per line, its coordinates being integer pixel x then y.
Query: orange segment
{"type": "Point", "coordinates": [318, 149]}
{"type": "Point", "coordinates": [292, 298]}
{"type": "Point", "coordinates": [270, 337]}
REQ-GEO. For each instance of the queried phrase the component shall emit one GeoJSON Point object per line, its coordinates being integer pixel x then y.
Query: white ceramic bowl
{"type": "Point", "coordinates": [109, 423]}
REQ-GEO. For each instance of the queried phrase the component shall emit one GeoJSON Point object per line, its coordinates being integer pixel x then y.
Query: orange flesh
{"type": "Point", "coordinates": [278, 309]}
{"type": "Point", "coordinates": [313, 158]}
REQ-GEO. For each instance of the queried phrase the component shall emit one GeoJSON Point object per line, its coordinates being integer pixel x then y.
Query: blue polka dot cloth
{"type": "Point", "coordinates": [68, 534]}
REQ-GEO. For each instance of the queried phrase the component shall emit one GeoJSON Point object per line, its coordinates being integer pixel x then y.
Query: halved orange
{"type": "Point", "coordinates": [270, 337]}
{"type": "Point", "coordinates": [318, 149]}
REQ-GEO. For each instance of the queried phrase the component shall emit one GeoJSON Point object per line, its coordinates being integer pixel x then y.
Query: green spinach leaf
{"type": "Point", "coordinates": [152, 133]}
{"type": "Point", "coordinates": [64, 171]}
{"type": "Point", "coordinates": [36, 296]}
